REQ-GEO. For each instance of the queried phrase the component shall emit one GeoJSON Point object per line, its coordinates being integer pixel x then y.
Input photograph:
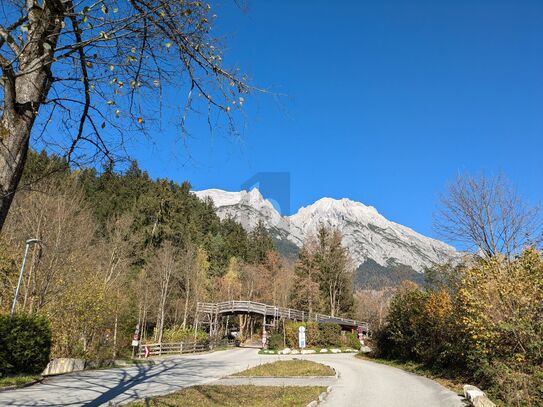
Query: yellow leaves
{"type": "Point", "coordinates": [439, 306]}
{"type": "Point", "coordinates": [140, 120]}
{"type": "Point", "coordinates": [168, 44]}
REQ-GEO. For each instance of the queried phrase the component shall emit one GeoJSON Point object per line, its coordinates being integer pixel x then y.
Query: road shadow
{"type": "Point", "coordinates": [100, 387]}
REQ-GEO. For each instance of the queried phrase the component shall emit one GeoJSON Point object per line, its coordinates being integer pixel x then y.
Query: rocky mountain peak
{"type": "Point", "coordinates": [368, 235]}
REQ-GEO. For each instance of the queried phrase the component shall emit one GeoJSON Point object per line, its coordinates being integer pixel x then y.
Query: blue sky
{"type": "Point", "coordinates": [383, 102]}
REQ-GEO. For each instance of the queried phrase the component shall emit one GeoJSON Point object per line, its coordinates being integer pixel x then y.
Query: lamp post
{"type": "Point", "coordinates": [28, 243]}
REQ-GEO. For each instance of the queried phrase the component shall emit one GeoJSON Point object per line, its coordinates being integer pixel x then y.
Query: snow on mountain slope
{"type": "Point", "coordinates": [367, 234]}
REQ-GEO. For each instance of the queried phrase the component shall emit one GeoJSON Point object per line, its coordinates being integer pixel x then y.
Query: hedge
{"type": "Point", "coordinates": [317, 335]}
{"type": "Point", "coordinates": [25, 344]}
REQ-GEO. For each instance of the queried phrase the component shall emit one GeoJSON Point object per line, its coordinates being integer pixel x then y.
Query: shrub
{"type": "Point", "coordinates": [275, 341]}
{"type": "Point", "coordinates": [311, 333]}
{"type": "Point", "coordinates": [25, 344]}
{"type": "Point", "coordinates": [352, 340]}
{"type": "Point", "coordinates": [403, 336]}
{"type": "Point", "coordinates": [178, 334]}
{"type": "Point", "coordinates": [487, 326]}
{"type": "Point", "coordinates": [329, 335]}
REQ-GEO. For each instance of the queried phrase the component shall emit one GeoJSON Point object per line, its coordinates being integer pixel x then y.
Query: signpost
{"type": "Point", "coordinates": [264, 338]}
{"type": "Point", "coordinates": [361, 335]}
{"type": "Point", "coordinates": [135, 340]}
{"type": "Point", "coordinates": [301, 337]}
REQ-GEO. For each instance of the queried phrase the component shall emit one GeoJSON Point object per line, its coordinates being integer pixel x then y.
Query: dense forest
{"type": "Point", "coordinates": [121, 249]}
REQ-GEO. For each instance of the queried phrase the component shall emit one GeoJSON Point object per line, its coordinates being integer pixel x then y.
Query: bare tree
{"type": "Point", "coordinates": [487, 214]}
{"type": "Point", "coordinates": [94, 68]}
{"type": "Point", "coordinates": [163, 266]}
{"type": "Point", "coordinates": [372, 306]}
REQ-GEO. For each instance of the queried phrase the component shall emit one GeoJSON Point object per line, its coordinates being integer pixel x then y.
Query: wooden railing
{"type": "Point", "coordinates": [250, 307]}
{"type": "Point", "coordinates": [178, 348]}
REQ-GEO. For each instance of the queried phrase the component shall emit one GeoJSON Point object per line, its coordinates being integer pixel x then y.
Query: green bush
{"type": "Point", "coordinates": [25, 344]}
{"type": "Point", "coordinates": [352, 340]}
{"type": "Point", "coordinates": [316, 335]}
{"type": "Point", "coordinates": [329, 335]}
{"type": "Point", "coordinates": [275, 341]}
{"type": "Point", "coordinates": [312, 333]}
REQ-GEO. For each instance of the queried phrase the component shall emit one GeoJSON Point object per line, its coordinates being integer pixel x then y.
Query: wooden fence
{"type": "Point", "coordinates": [178, 348]}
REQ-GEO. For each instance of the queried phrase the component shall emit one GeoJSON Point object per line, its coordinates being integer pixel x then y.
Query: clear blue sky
{"type": "Point", "coordinates": [384, 101]}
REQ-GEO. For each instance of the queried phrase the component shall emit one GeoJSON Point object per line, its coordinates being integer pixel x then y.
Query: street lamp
{"type": "Point", "coordinates": [28, 243]}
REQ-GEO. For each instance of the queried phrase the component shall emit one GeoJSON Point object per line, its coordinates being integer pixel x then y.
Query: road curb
{"type": "Point", "coordinates": [22, 386]}
{"type": "Point", "coordinates": [321, 398]}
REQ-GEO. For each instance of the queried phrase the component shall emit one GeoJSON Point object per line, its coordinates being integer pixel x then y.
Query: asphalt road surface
{"type": "Point", "coordinates": [360, 383]}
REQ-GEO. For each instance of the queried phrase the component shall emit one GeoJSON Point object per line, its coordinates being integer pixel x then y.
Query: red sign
{"type": "Point", "coordinates": [146, 351]}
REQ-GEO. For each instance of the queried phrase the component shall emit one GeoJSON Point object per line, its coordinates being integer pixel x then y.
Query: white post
{"type": "Point", "coordinates": [28, 243]}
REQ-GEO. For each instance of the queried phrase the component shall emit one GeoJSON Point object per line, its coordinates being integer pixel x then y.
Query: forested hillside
{"type": "Point", "coordinates": [121, 249]}
{"type": "Point", "coordinates": [118, 249]}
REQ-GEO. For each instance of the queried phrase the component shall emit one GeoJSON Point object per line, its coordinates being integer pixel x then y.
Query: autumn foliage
{"type": "Point", "coordinates": [486, 325]}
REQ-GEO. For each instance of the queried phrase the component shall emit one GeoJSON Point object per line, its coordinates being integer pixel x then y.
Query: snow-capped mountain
{"type": "Point", "coordinates": [369, 236]}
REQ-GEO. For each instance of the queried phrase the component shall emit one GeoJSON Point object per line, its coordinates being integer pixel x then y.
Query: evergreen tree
{"type": "Point", "coordinates": [325, 264]}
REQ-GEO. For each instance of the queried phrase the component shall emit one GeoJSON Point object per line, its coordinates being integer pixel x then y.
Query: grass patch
{"type": "Point", "coordinates": [18, 380]}
{"type": "Point", "coordinates": [285, 368]}
{"type": "Point", "coordinates": [453, 382]}
{"type": "Point", "coordinates": [256, 396]}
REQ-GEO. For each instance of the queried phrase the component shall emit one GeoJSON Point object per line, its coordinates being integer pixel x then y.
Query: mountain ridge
{"type": "Point", "coordinates": [368, 235]}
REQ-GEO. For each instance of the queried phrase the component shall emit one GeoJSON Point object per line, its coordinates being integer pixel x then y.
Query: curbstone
{"type": "Point", "coordinates": [477, 397]}
{"type": "Point", "coordinates": [322, 397]}
{"type": "Point", "coordinates": [63, 365]}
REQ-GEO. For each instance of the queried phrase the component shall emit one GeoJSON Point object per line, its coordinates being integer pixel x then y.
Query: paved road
{"type": "Point", "coordinates": [360, 383]}
{"type": "Point", "coordinates": [368, 384]}
{"type": "Point", "coordinates": [100, 387]}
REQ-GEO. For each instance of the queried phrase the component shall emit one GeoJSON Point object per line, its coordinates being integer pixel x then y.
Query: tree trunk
{"type": "Point", "coordinates": [14, 139]}
{"type": "Point", "coordinates": [115, 337]}
{"type": "Point", "coordinates": [185, 313]}
{"type": "Point", "coordinates": [24, 92]}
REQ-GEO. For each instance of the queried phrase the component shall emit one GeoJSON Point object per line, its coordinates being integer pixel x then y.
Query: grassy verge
{"type": "Point", "coordinates": [17, 380]}
{"type": "Point", "coordinates": [453, 382]}
{"type": "Point", "coordinates": [285, 368]}
{"type": "Point", "coordinates": [256, 396]}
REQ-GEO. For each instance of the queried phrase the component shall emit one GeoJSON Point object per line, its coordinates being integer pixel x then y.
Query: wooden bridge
{"type": "Point", "coordinates": [208, 313]}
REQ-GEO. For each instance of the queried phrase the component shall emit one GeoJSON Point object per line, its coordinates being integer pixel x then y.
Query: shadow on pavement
{"type": "Point", "coordinates": [99, 387]}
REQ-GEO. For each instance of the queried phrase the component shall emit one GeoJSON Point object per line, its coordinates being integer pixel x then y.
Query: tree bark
{"type": "Point", "coordinates": [14, 141]}
{"type": "Point", "coordinates": [24, 92]}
